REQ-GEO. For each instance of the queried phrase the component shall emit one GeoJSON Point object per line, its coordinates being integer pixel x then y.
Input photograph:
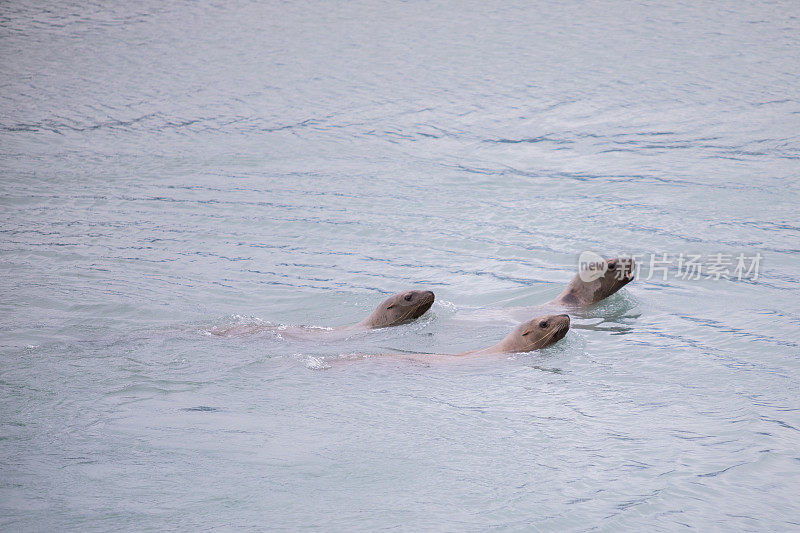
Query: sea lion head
{"type": "Point", "coordinates": [400, 308]}
{"type": "Point", "coordinates": [605, 279]}
{"type": "Point", "coordinates": [536, 333]}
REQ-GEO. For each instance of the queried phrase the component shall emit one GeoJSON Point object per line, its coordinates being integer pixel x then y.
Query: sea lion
{"type": "Point", "coordinates": [594, 284]}
{"type": "Point", "coordinates": [534, 334]}
{"type": "Point", "coordinates": [393, 311]}
{"type": "Point", "coordinates": [589, 286]}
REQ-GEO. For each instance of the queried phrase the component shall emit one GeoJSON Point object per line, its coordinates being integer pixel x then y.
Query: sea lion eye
{"type": "Point", "coordinates": [612, 265]}
{"type": "Point", "coordinates": [543, 324]}
{"type": "Point", "coordinates": [408, 297]}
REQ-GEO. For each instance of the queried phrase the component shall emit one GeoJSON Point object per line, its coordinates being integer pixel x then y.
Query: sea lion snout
{"type": "Point", "coordinates": [562, 326]}
{"type": "Point", "coordinates": [626, 268]}
{"type": "Point", "coordinates": [619, 273]}
{"type": "Point", "coordinates": [426, 299]}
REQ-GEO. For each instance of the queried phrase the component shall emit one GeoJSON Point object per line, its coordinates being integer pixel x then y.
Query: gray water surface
{"type": "Point", "coordinates": [171, 168]}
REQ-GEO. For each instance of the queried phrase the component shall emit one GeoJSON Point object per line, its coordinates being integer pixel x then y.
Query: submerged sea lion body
{"type": "Point", "coordinates": [579, 293]}
{"type": "Point", "coordinates": [393, 311]}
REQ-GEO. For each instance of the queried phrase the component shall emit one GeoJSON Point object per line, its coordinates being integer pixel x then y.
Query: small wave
{"type": "Point", "coordinates": [316, 363]}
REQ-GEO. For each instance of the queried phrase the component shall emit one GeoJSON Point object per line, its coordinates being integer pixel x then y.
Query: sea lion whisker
{"type": "Point", "coordinates": [407, 315]}
{"type": "Point", "coordinates": [546, 338]}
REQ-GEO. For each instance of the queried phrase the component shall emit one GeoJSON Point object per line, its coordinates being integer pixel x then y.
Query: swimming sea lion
{"type": "Point", "coordinates": [534, 334]}
{"type": "Point", "coordinates": [393, 311]}
{"type": "Point", "coordinates": [590, 286]}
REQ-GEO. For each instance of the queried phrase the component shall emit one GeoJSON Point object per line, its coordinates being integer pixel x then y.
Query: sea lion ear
{"type": "Point", "coordinates": [392, 305]}
{"type": "Point", "coordinates": [527, 330]}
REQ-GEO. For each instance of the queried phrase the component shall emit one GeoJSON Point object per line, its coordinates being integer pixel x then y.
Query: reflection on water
{"type": "Point", "coordinates": [169, 171]}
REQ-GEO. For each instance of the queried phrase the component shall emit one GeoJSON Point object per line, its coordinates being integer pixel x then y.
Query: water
{"type": "Point", "coordinates": [168, 169]}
